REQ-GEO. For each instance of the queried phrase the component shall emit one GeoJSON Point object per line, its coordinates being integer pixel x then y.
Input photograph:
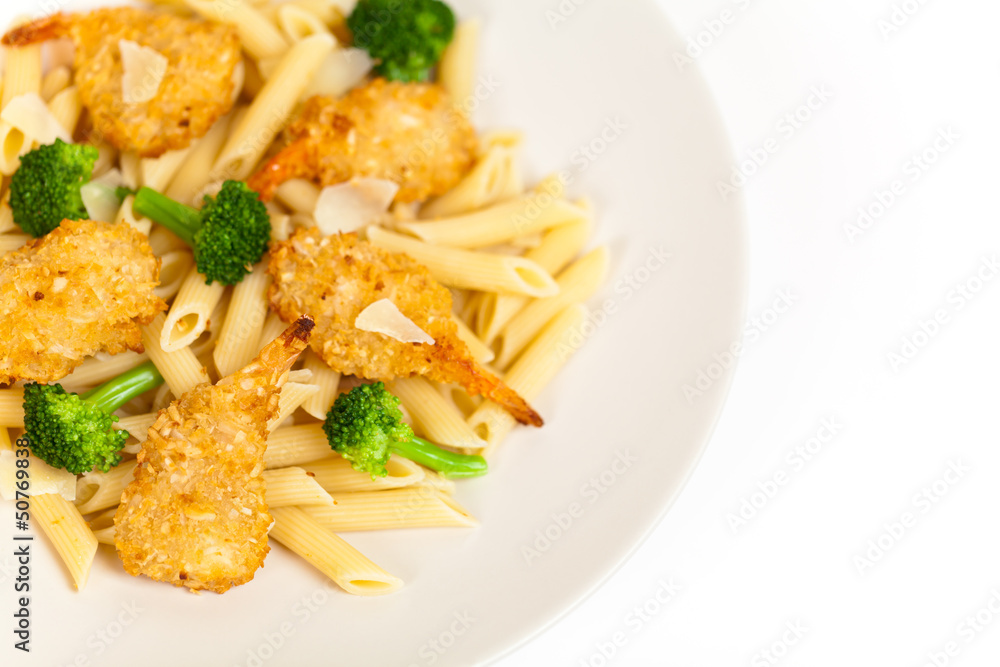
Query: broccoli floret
{"type": "Point", "coordinates": [365, 425]}
{"type": "Point", "coordinates": [74, 432]}
{"type": "Point", "coordinates": [45, 190]}
{"type": "Point", "coordinates": [229, 234]}
{"type": "Point", "coordinates": [406, 39]}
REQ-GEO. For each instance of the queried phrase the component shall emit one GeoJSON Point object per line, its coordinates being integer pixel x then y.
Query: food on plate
{"type": "Point", "coordinates": [408, 133]}
{"type": "Point", "coordinates": [334, 278]}
{"type": "Point", "coordinates": [182, 83]}
{"type": "Point", "coordinates": [85, 287]}
{"type": "Point", "coordinates": [407, 40]}
{"type": "Point", "coordinates": [229, 234]}
{"type": "Point", "coordinates": [45, 190]}
{"type": "Point", "coordinates": [195, 514]}
{"type": "Point", "coordinates": [365, 426]}
{"type": "Point", "coordinates": [75, 432]}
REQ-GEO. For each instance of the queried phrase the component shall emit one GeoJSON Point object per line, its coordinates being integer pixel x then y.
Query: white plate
{"type": "Point", "coordinates": [607, 68]}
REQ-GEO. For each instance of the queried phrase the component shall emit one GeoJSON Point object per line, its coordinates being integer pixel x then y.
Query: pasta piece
{"type": "Point", "coordinates": [330, 554]}
{"type": "Point", "coordinates": [10, 242]}
{"type": "Point", "coordinates": [128, 163]}
{"type": "Point", "coordinates": [12, 407]}
{"type": "Point", "coordinates": [414, 507]}
{"type": "Point", "coordinates": [23, 69]}
{"type": "Point", "coordinates": [479, 350]}
{"type": "Point", "coordinates": [433, 416]}
{"type": "Point", "coordinates": [144, 225]}
{"type": "Point", "coordinates": [68, 532]}
{"type": "Point", "coordinates": [292, 486]}
{"type": "Point", "coordinates": [457, 69]}
{"type": "Point", "coordinates": [157, 172]}
{"type": "Point", "coordinates": [105, 535]}
{"type": "Point", "coordinates": [471, 270]}
{"type": "Point", "coordinates": [292, 396]}
{"type": "Point", "coordinates": [336, 475]}
{"type": "Point", "coordinates": [297, 23]}
{"type": "Point", "coordinates": [271, 109]}
{"type": "Point", "coordinates": [434, 480]}
{"type": "Point", "coordinates": [195, 173]}
{"type": "Point", "coordinates": [189, 313]}
{"type": "Point", "coordinates": [495, 178]}
{"type": "Point", "coordinates": [328, 381]}
{"type": "Point", "coordinates": [299, 195]}
{"type": "Point", "coordinates": [530, 373]}
{"type": "Point", "coordinates": [5, 445]}
{"type": "Point", "coordinates": [66, 107]}
{"type": "Point", "coordinates": [56, 80]}
{"type": "Point", "coordinates": [138, 425]}
{"type": "Point", "coordinates": [239, 339]}
{"type": "Point", "coordinates": [259, 37]}
{"type": "Point", "coordinates": [98, 370]}
{"type": "Point", "coordinates": [180, 368]}
{"type": "Point", "coordinates": [295, 445]}
{"type": "Point", "coordinates": [273, 326]}
{"type": "Point", "coordinates": [558, 247]}
{"type": "Point", "coordinates": [498, 224]}
{"type": "Point", "coordinates": [576, 284]}
{"type": "Point", "coordinates": [7, 223]}
{"type": "Point", "coordinates": [174, 268]}
{"type": "Point", "coordinates": [96, 491]}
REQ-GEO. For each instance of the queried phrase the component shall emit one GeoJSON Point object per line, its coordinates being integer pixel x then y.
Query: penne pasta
{"type": "Point", "coordinates": [330, 554]}
{"type": "Point", "coordinates": [558, 247]}
{"type": "Point", "coordinates": [196, 171]}
{"type": "Point", "coordinates": [10, 242]}
{"type": "Point", "coordinates": [96, 491]}
{"type": "Point", "coordinates": [413, 507]}
{"type": "Point", "coordinates": [295, 445]}
{"type": "Point", "coordinates": [259, 37]}
{"type": "Point", "coordinates": [299, 195]}
{"type": "Point", "coordinates": [22, 69]}
{"type": "Point", "coordinates": [272, 107]}
{"type": "Point", "coordinates": [273, 326]}
{"type": "Point", "coordinates": [239, 338]}
{"type": "Point", "coordinates": [11, 407]}
{"type": "Point", "coordinates": [457, 69]}
{"type": "Point", "coordinates": [576, 284]}
{"type": "Point", "coordinates": [479, 350]}
{"type": "Point", "coordinates": [157, 172]}
{"type": "Point", "coordinates": [434, 417]}
{"type": "Point", "coordinates": [293, 395]}
{"type": "Point", "coordinates": [336, 475]}
{"type": "Point", "coordinates": [7, 223]}
{"type": "Point", "coordinates": [54, 81]}
{"type": "Point", "coordinates": [174, 268]}
{"type": "Point", "coordinates": [137, 425]}
{"type": "Point", "coordinates": [188, 316]}
{"type": "Point", "coordinates": [98, 370]}
{"type": "Point", "coordinates": [66, 108]}
{"type": "Point", "coordinates": [127, 215]}
{"type": "Point", "coordinates": [293, 486]}
{"type": "Point", "coordinates": [530, 374]}
{"type": "Point", "coordinates": [73, 540]}
{"type": "Point", "coordinates": [495, 178]}
{"type": "Point", "coordinates": [471, 270]}
{"type": "Point", "coordinates": [328, 381]}
{"type": "Point", "coordinates": [180, 368]}
{"type": "Point", "coordinates": [297, 23]}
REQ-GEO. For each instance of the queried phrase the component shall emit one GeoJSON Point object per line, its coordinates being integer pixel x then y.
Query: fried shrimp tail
{"type": "Point", "coordinates": [195, 513]}
{"type": "Point", "coordinates": [409, 133]}
{"type": "Point", "coordinates": [83, 288]}
{"type": "Point", "coordinates": [195, 90]}
{"type": "Point", "coordinates": [334, 278]}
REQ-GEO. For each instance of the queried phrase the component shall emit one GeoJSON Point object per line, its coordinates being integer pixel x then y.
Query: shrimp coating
{"type": "Point", "coordinates": [195, 513]}
{"type": "Point", "coordinates": [333, 278]}
{"type": "Point", "coordinates": [409, 133]}
{"type": "Point", "coordinates": [85, 287]}
{"type": "Point", "coordinates": [195, 91]}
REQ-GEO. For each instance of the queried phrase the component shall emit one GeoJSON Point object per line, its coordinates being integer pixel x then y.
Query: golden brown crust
{"type": "Point", "coordinates": [195, 513]}
{"type": "Point", "coordinates": [85, 287]}
{"type": "Point", "coordinates": [409, 133]}
{"type": "Point", "coordinates": [195, 91]}
{"type": "Point", "coordinates": [332, 279]}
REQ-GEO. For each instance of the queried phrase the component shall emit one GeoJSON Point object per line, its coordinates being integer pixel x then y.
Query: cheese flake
{"type": "Point", "coordinates": [29, 114]}
{"type": "Point", "coordinates": [349, 206]}
{"type": "Point", "coordinates": [385, 318]}
{"type": "Point", "coordinates": [44, 478]}
{"type": "Point", "coordinates": [144, 69]}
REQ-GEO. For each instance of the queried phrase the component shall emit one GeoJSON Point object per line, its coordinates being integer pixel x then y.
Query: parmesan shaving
{"type": "Point", "coordinates": [349, 206]}
{"type": "Point", "coordinates": [144, 69]}
{"type": "Point", "coordinates": [29, 114]}
{"type": "Point", "coordinates": [342, 70]}
{"type": "Point", "coordinates": [385, 318]}
{"type": "Point", "coordinates": [99, 197]}
{"type": "Point", "coordinates": [44, 478]}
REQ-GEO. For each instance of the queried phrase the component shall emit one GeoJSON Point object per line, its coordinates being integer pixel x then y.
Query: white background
{"type": "Point", "coordinates": [828, 552]}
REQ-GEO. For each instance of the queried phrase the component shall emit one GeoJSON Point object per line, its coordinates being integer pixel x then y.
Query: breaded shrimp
{"type": "Point", "coordinates": [409, 133]}
{"type": "Point", "coordinates": [196, 89]}
{"type": "Point", "coordinates": [83, 288]}
{"type": "Point", "coordinates": [195, 513]}
{"type": "Point", "coordinates": [333, 278]}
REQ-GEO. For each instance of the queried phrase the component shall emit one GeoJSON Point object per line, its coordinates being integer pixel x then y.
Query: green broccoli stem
{"type": "Point", "coordinates": [115, 393]}
{"type": "Point", "coordinates": [449, 464]}
{"type": "Point", "coordinates": [179, 218]}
